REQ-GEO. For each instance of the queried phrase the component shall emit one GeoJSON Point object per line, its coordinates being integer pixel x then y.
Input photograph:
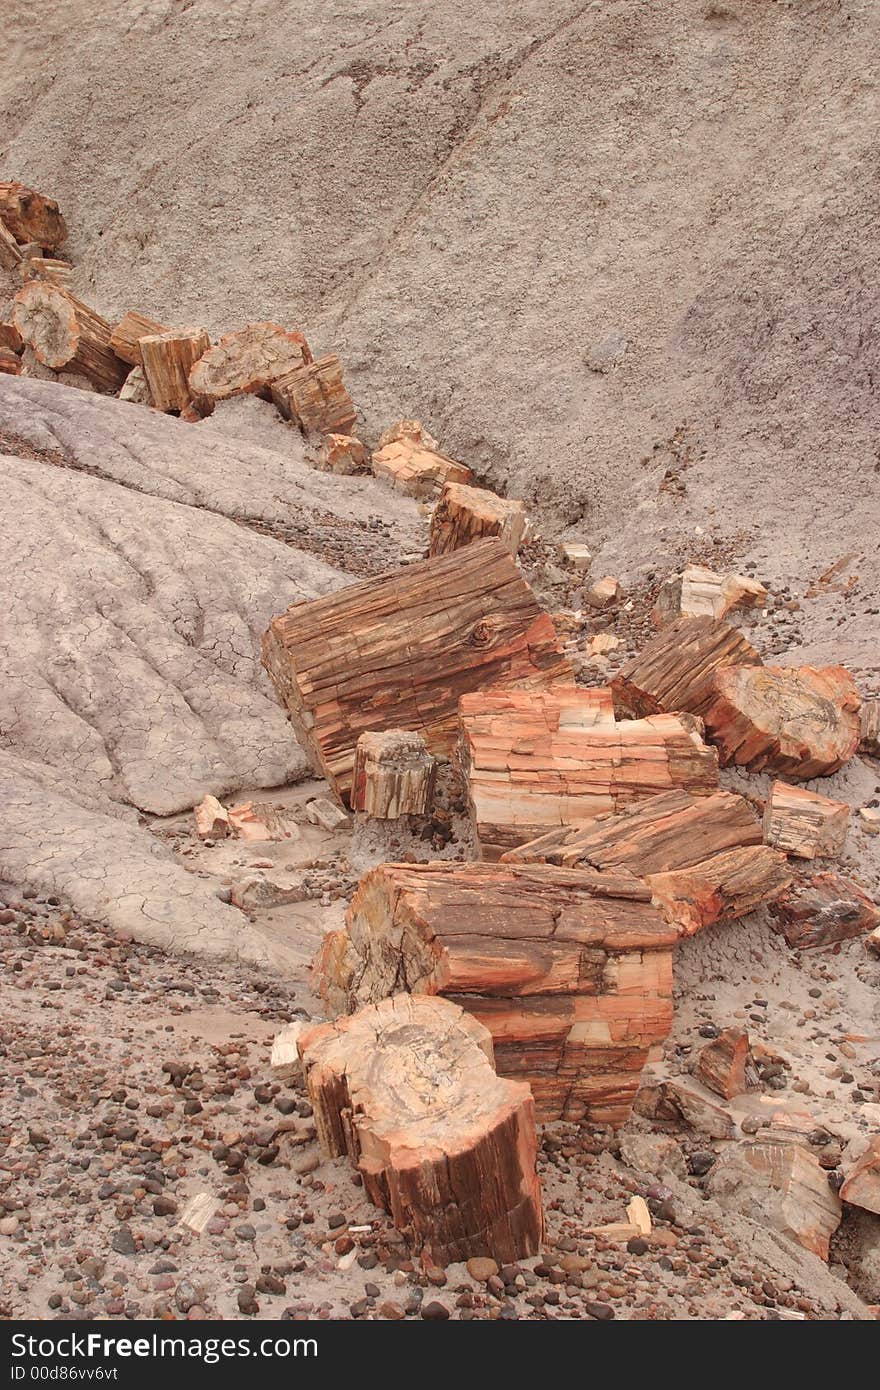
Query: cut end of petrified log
{"type": "Point", "coordinates": [466, 514]}
{"type": "Point", "coordinates": [247, 361]}
{"type": "Point", "coordinates": [701, 593]}
{"type": "Point", "coordinates": [406, 1089]}
{"type": "Point", "coordinates": [65, 333]}
{"type": "Point", "coordinates": [804, 823]}
{"type": "Point", "coordinates": [394, 775]}
{"type": "Point", "coordinates": [674, 672]}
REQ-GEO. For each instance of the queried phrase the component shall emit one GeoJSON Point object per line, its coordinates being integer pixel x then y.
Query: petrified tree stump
{"type": "Point", "coordinates": [466, 514]}
{"type": "Point", "coordinates": [66, 334]}
{"type": "Point", "coordinates": [721, 1064]}
{"type": "Point", "coordinates": [558, 759]}
{"type": "Point", "coordinates": [314, 397]}
{"type": "Point", "coordinates": [394, 775]}
{"type": "Point", "coordinates": [803, 823]}
{"type": "Point", "coordinates": [803, 722]}
{"type": "Point", "coordinates": [126, 336]}
{"type": "Point", "coordinates": [416, 470]}
{"type": "Point", "coordinates": [571, 971]}
{"type": "Point", "coordinates": [30, 216]}
{"type": "Point", "coordinates": [397, 652]}
{"type": "Point", "coordinates": [821, 910]}
{"type": "Point", "coordinates": [701, 593]}
{"type": "Point", "coordinates": [721, 888]}
{"type": "Point", "coordinates": [674, 672]}
{"type": "Point", "coordinates": [247, 362]}
{"type": "Point", "coordinates": [406, 1088]}
{"type": "Point", "coordinates": [861, 1186]}
{"type": "Point", "coordinates": [167, 359]}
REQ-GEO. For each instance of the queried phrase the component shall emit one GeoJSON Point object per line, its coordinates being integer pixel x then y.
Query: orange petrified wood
{"type": "Point", "coordinates": [675, 670]}
{"type": "Point", "coordinates": [66, 334]}
{"type": "Point", "coordinates": [570, 970]}
{"type": "Point", "coordinates": [246, 362]}
{"type": "Point", "coordinates": [407, 1090]}
{"type": "Point", "coordinates": [31, 217]}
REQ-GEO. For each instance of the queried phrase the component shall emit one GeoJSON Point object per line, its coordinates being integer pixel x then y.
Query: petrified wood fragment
{"type": "Point", "coordinates": [314, 397]}
{"type": "Point", "coordinates": [247, 361]}
{"type": "Point", "coordinates": [804, 823]}
{"type": "Point", "coordinates": [821, 910]}
{"type": "Point", "coordinates": [466, 514]}
{"type": "Point", "coordinates": [675, 670]}
{"type": "Point", "coordinates": [394, 775]}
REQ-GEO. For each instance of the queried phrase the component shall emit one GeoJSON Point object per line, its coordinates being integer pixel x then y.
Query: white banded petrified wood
{"type": "Point", "coordinates": [398, 652]}
{"type": "Point", "coordinates": [247, 361]}
{"type": "Point", "coordinates": [536, 762]}
{"type": "Point", "coordinates": [801, 721]}
{"type": "Point", "coordinates": [467, 514]}
{"type": "Point", "coordinates": [701, 593]}
{"type": "Point", "coordinates": [406, 1088]}
{"type": "Point", "coordinates": [394, 775]}
{"type": "Point", "coordinates": [167, 359]}
{"type": "Point", "coordinates": [674, 672]}
{"type": "Point", "coordinates": [570, 970]}
{"type": "Point", "coordinates": [804, 823]}
{"type": "Point", "coordinates": [66, 334]}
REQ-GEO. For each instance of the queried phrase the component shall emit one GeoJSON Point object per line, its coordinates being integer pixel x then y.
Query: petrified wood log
{"type": "Point", "coordinates": [721, 888]}
{"type": "Point", "coordinates": [10, 337]}
{"type": "Point", "coordinates": [701, 593]}
{"type": "Point", "coordinates": [570, 970]}
{"type": "Point", "coordinates": [126, 336]}
{"type": "Point", "coordinates": [674, 672]}
{"type": "Point", "coordinates": [314, 397]}
{"type": "Point", "coordinates": [823, 909]}
{"type": "Point", "coordinates": [398, 652]}
{"type": "Point", "coordinates": [673, 830]}
{"type": "Point", "coordinates": [247, 361]}
{"type": "Point", "coordinates": [869, 732]}
{"type": "Point", "coordinates": [10, 251]}
{"type": "Point", "coordinates": [417, 470]}
{"type": "Point", "coordinates": [65, 333]}
{"type": "Point", "coordinates": [466, 514]}
{"type": "Point", "coordinates": [30, 216]}
{"type": "Point", "coordinates": [406, 1088]}
{"type": "Point", "coordinates": [803, 722]}
{"type": "Point", "coordinates": [861, 1187]}
{"type": "Point", "coordinates": [721, 1064]}
{"type": "Point", "coordinates": [803, 823]}
{"type": "Point", "coordinates": [558, 759]}
{"type": "Point", "coordinates": [168, 358]}
{"type": "Point", "coordinates": [394, 775]}
{"type": "Point", "coordinates": [780, 1185]}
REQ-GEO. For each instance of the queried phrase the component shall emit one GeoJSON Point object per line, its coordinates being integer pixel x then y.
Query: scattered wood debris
{"type": "Point", "coordinates": [689, 1102]}
{"type": "Point", "coordinates": [320, 811]}
{"type": "Point", "coordinates": [135, 388]}
{"type": "Point", "coordinates": [571, 971]}
{"type": "Point", "coordinates": [675, 670]}
{"type": "Point", "coordinates": [603, 593]}
{"type": "Point", "coordinates": [199, 1211]}
{"type": "Point", "coordinates": [352, 662]}
{"type": "Point", "coordinates": [804, 823]}
{"type": "Point", "coordinates": [212, 819]}
{"type": "Point", "coordinates": [10, 362]}
{"type": "Point", "coordinates": [406, 1089]}
{"type": "Point", "coordinates": [465, 514]}
{"type": "Point", "coordinates": [10, 252]}
{"type": "Point", "coordinates": [869, 816]}
{"type": "Point", "coordinates": [575, 555]}
{"type": "Point", "coordinates": [701, 593]}
{"type": "Point", "coordinates": [824, 909]}
{"type": "Point", "coordinates": [782, 1186]}
{"type": "Point", "coordinates": [394, 775]}
{"type": "Point", "coordinates": [256, 820]}
{"type": "Point", "coordinates": [285, 1062]}
{"type": "Point", "coordinates": [801, 721]}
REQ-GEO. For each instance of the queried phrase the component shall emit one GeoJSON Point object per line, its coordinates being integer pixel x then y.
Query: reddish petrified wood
{"type": "Point", "coordinates": [823, 909]}
{"type": "Point", "coordinates": [721, 888]}
{"type": "Point", "coordinates": [804, 823]}
{"type": "Point", "coordinates": [675, 670]}
{"type": "Point", "coordinates": [721, 1064]}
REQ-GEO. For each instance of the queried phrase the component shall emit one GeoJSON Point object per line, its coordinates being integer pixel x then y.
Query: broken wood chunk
{"type": "Point", "coordinates": [411, 430]}
{"type": "Point", "coordinates": [701, 593]}
{"type": "Point", "coordinates": [861, 1186]}
{"type": "Point", "coordinates": [247, 361]}
{"type": "Point", "coordinates": [342, 453]}
{"type": "Point", "coordinates": [687, 1100]}
{"type": "Point", "coordinates": [721, 1064]}
{"type": "Point", "coordinates": [10, 338]}
{"type": "Point", "coordinates": [30, 216]}
{"type": "Point", "coordinates": [571, 971]}
{"type": "Point", "coordinates": [394, 775]}
{"type": "Point", "coordinates": [603, 593]}
{"type": "Point", "coordinates": [536, 762]}
{"type": "Point", "coordinates": [10, 362]}
{"type": "Point", "coordinates": [575, 555]}
{"type": "Point", "coordinates": [672, 830]}
{"type": "Point", "coordinates": [212, 819]}
{"type": "Point", "coordinates": [465, 514]}
{"type": "Point", "coordinates": [869, 818]}
{"type": "Point", "coordinates": [821, 910]}
{"type": "Point", "coordinates": [199, 1211]}
{"type": "Point", "coordinates": [869, 728]}
{"type": "Point", "coordinates": [357, 660]}
{"type": "Point", "coordinates": [257, 820]}
{"type": "Point", "coordinates": [66, 334]}
{"type": "Point", "coordinates": [801, 721]}
{"type": "Point", "coordinates": [314, 397]}
{"type": "Point", "coordinates": [413, 469]}
{"type": "Point", "coordinates": [407, 1090]}
{"type": "Point", "coordinates": [804, 823]}
{"type": "Point", "coordinates": [721, 888]}
{"type": "Point", "coordinates": [167, 359]}
{"type": "Point", "coordinates": [10, 251]}
{"type": "Point", "coordinates": [781, 1186]}
{"type": "Point", "coordinates": [320, 811]}
{"type": "Point", "coordinates": [125, 336]}
{"type": "Point", "coordinates": [257, 891]}
{"type": "Point", "coordinates": [135, 388]}
{"type": "Point", "coordinates": [285, 1062]}
{"type": "Point", "coordinates": [46, 268]}
{"type": "Point", "coordinates": [674, 672]}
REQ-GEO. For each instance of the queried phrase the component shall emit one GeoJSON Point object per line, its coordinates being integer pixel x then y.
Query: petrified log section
{"type": "Point", "coordinates": [781, 1185]}
{"type": "Point", "coordinates": [869, 732]}
{"type": "Point", "coordinates": [167, 359]}
{"type": "Point", "coordinates": [407, 1090]}
{"type": "Point", "coordinates": [46, 268]}
{"type": "Point", "coordinates": [721, 1064]}
{"type": "Point", "coordinates": [721, 888]}
{"type": "Point", "coordinates": [416, 470]}
{"type": "Point", "coordinates": [861, 1187]}
{"type": "Point", "coordinates": [65, 333]}
{"type": "Point", "coordinates": [803, 721]}
{"type": "Point", "coordinates": [701, 593]}
{"type": "Point", "coordinates": [314, 397]}
{"type": "Point", "coordinates": [570, 970]}
{"type": "Point", "coordinates": [399, 651]}
{"type": "Point", "coordinates": [10, 251]}
{"type": "Point", "coordinates": [803, 823]}
{"type": "Point", "coordinates": [559, 759]}
{"type": "Point", "coordinates": [125, 337]}
{"type": "Point", "coordinates": [247, 361]}
{"type": "Point", "coordinates": [342, 453]}
{"type": "Point", "coordinates": [673, 830]}
{"type": "Point", "coordinates": [30, 216]}
{"type": "Point", "coordinates": [821, 910]}
{"type": "Point", "coordinates": [394, 775]}
{"type": "Point", "coordinates": [466, 514]}
{"type": "Point", "coordinates": [674, 672]}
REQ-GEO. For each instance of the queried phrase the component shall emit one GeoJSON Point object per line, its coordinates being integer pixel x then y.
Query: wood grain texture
{"type": "Point", "coordinates": [869, 730]}
{"type": "Point", "coordinates": [66, 334]}
{"type": "Point", "coordinates": [466, 514]}
{"type": "Point", "coordinates": [674, 672]}
{"type": "Point", "coordinates": [721, 888]}
{"type": "Point", "coordinates": [804, 823]}
{"type": "Point", "coordinates": [30, 216]}
{"type": "Point", "coordinates": [721, 1064]}
{"type": "Point", "coordinates": [398, 652]}
{"type": "Point", "coordinates": [247, 361]}
{"type": "Point", "coordinates": [167, 359]}
{"type": "Point", "coordinates": [413, 468]}
{"type": "Point", "coordinates": [394, 775]}
{"type": "Point", "coordinates": [407, 1090]}
{"type": "Point", "coordinates": [314, 397]}
{"type": "Point", "coordinates": [125, 336]}
{"type": "Point", "coordinates": [824, 909]}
